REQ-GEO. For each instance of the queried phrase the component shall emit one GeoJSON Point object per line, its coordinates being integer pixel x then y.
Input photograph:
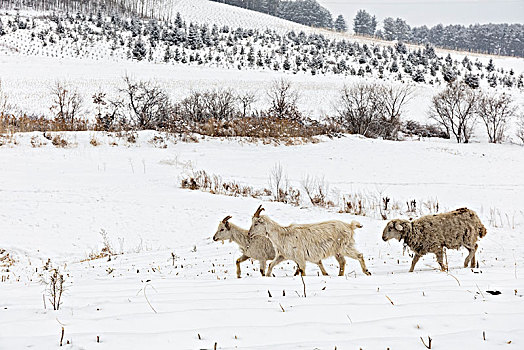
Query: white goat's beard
{"type": "Point", "coordinates": [222, 241]}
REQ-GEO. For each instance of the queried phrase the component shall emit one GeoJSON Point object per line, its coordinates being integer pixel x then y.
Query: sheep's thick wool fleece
{"type": "Point", "coordinates": [458, 228]}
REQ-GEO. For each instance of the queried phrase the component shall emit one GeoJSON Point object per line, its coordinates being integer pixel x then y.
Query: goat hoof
{"type": "Point", "coordinates": [368, 273]}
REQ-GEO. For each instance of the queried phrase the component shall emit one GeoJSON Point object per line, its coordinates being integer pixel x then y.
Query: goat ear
{"type": "Point", "coordinates": [399, 227]}
{"type": "Point", "coordinates": [228, 226]}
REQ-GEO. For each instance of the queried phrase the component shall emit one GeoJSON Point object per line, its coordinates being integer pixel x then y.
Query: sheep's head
{"type": "Point", "coordinates": [223, 231]}
{"type": "Point", "coordinates": [395, 229]}
{"type": "Point", "coordinates": [258, 224]}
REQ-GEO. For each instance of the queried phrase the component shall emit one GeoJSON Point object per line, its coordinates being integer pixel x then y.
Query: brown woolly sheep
{"type": "Point", "coordinates": [309, 242]}
{"type": "Point", "coordinates": [257, 248]}
{"type": "Point", "coordinates": [431, 233]}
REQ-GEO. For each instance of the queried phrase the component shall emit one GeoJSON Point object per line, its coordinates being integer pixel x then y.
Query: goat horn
{"type": "Point", "coordinates": [259, 210]}
{"type": "Point", "coordinates": [226, 218]}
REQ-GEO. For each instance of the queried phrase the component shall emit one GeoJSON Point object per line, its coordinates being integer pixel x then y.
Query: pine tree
{"type": "Point", "coordinates": [340, 24]}
{"type": "Point", "coordinates": [287, 64]}
{"type": "Point", "coordinates": [168, 55]}
{"type": "Point", "coordinates": [139, 50]}
{"type": "Point", "coordinates": [390, 29]}
{"type": "Point", "coordinates": [363, 23]}
{"type": "Point", "coordinates": [490, 67]}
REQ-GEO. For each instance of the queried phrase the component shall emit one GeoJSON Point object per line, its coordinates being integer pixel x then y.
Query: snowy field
{"type": "Point", "coordinates": [54, 203]}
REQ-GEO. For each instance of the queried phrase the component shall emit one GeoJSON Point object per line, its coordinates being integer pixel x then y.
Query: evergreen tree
{"type": "Point", "coordinates": [168, 55]}
{"type": "Point", "coordinates": [389, 30]}
{"type": "Point", "coordinates": [363, 23]}
{"type": "Point", "coordinates": [340, 24]}
{"type": "Point", "coordinates": [139, 50]}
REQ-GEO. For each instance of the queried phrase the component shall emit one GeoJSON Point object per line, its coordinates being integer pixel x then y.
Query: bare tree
{"type": "Point", "coordinates": [246, 101]}
{"type": "Point", "coordinates": [220, 104]}
{"type": "Point", "coordinates": [455, 109]}
{"type": "Point", "coordinates": [394, 100]}
{"type": "Point", "coordinates": [148, 104]}
{"type": "Point", "coordinates": [520, 127]}
{"type": "Point", "coordinates": [67, 102]}
{"type": "Point", "coordinates": [283, 99]}
{"type": "Point", "coordinates": [360, 109]}
{"type": "Point", "coordinates": [495, 111]}
{"type": "Point", "coordinates": [193, 108]}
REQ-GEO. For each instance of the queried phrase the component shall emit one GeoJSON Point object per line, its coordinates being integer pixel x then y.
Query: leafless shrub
{"type": "Point", "coordinates": [158, 141]}
{"type": "Point", "coordinates": [221, 104]}
{"type": "Point", "coordinates": [6, 261]}
{"type": "Point", "coordinates": [106, 251]}
{"type": "Point", "coordinates": [36, 142]}
{"type": "Point", "coordinates": [455, 110]}
{"type": "Point", "coordinates": [495, 111]}
{"type": "Point", "coordinates": [380, 206]}
{"type": "Point", "coordinates": [280, 187]}
{"type": "Point", "coordinates": [411, 206]}
{"type": "Point", "coordinates": [200, 107]}
{"type": "Point", "coordinates": [520, 128]}
{"type": "Point", "coordinates": [414, 128]}
{"type": "Point", "coordinates": [149, 105]}
{"type": "Point", "coordinates": [54, 281]}
{"type": "Point", "coordinates": [93, 141]}
{"type": "Point", "coordinates": [432, 206]}
{"type": "Point", "coordinates": [360, 109]}
{"type": "Point", "coordinates": [59, 141]}
{"type": "Point", "coordinates": [317, 190]}
{"type": "Point", "coordinates": [201, 180]}
{"type": "Point", "coordinates": [67, 103]}
{"type": "Point", "coordinates": [394, 100]}
{"type": "Point", "coordinates": [276, 182]}
{"type": "Point", "coordinates": [283, 100]}
{"type": "Point", "coordinates": [193, 108]}
{"type": "Point", "coordinates": [110, 114]}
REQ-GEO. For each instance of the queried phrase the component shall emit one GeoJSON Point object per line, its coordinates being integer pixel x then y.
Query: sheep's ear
{"type": "Point", "coordinates": [399, 227]}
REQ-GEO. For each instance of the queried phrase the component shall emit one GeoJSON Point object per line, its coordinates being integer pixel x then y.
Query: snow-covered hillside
{"type": "Point", "coordinates": [94, 53]}
{"type": "Point", "coordinates": [56, 202]}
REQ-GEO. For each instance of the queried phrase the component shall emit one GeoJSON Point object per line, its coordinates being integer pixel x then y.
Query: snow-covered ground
{"type": "Point", "coordinates": [54, 203]}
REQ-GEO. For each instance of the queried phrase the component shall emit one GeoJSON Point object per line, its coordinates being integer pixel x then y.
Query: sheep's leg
{"type": "Point", "coordinates": [274, 263]}
{"type": "Point", "coordinates": [414, 262]}
{"type": "Point", "coordinates": [440, 259]}
{"type": "Point", "coordinates": [355, 254]}
{"type": "Point", "coordinates": [341, 264]}
{"type": "Point", "coordinates": [322, 269]}
{"type": "Point", "coordinates": [263, 267]}
{"type": "Point", "coordinates": [239, 261]}
{"type": "Point", "coordinates": [471, 257]}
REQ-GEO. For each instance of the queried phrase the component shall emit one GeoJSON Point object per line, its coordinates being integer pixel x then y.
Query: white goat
{"type": "Point", "coordinates": [310, 242]}
{"type": "Point", "coordinates": [257, 248]}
